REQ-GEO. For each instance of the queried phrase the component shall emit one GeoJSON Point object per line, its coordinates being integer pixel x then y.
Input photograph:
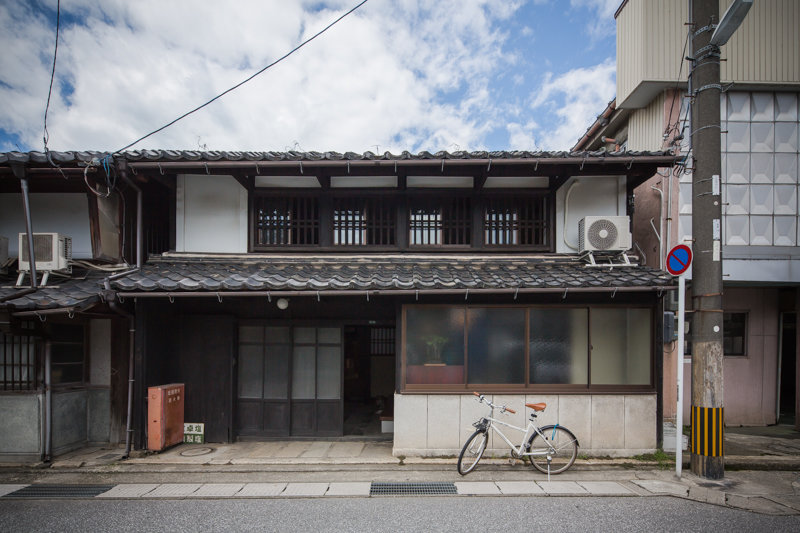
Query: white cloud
{"type": "Point", "coordinates": [575, 98]}
{"type": "Point", "coordinates": [602, 23]}
{"type": "Point", "coordinates": [410, 74]}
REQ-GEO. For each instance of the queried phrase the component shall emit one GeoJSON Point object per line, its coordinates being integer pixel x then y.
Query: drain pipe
{"type": "Point", "coordinates": [112, 303]}
{"type": "Point", "coordinates": [19, 172]}
{"type": "Point", "coordinates": [660, 232]}
{"type": "Point", "coordinates": [48, 403]}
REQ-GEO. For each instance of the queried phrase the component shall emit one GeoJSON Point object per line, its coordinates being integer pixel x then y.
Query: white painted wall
{"type": "Point", "coordinates": [67, 214]}
{"type": "Point", "coordinates": [604, 424]}
{"type": "Point", "coordinates": [211, 214]}
{"type": "Point", "coordinates": [588, 196]}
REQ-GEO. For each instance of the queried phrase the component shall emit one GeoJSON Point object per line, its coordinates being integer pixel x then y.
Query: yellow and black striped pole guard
{"type": "Point", "coordinates": [708, 430]}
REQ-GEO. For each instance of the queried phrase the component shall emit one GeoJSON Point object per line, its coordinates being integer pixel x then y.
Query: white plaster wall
{"type": "Point", "coordinates": [211, 214]}
{"type": "Point", "coordinates": [604, 424]}
{"type": "Point", "coordinates": [67, 214]}
{"type": "Point", "coordinates": [588, 196]}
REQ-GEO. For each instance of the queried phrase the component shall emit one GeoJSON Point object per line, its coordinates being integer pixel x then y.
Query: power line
{"type": "Point", "coordinates": [46, 136]}
{"type": "Point", "coordinates": [220, 95]}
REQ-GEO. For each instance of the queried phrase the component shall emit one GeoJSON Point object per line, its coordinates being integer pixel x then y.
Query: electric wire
{"type": "Point", "coordinates": [220, 95]}
{"type": "Point", "coordinates": [46, 136]}
{"type": "Point", "coordinates": [670, 127]}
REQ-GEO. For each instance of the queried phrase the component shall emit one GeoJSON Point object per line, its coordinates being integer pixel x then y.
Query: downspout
{"type": "Point", "coordinates": [566, 211]}
{"type": "Point", "coordinates": [48, 403]}
{"type": "Point", "coordinates": [112, 303]}
{"type": "Point", "coordinates": [123, 170]}
{"type": "Point", "coordinates": [19, 172]}
{"type": "Point", "coordinates": [660, 232]}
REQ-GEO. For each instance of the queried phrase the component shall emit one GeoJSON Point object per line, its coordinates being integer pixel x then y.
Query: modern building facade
{"type": "Point", "coordinates": [760, 73]}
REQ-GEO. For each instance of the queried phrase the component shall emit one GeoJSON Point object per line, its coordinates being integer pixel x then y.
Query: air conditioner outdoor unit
{"type": "Point", "coordinates": [53, 252]}
{"type": "Point", "coordinates": [604, 234]}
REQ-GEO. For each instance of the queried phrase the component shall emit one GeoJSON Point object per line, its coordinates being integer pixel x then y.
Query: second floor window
{"type": "Point", "coordinates": [364, 221]}
{"type": "Point", "coordinates": [516, 222]}
{"type": "Point", "coordinates": [287, 221]}
{"type": "Point", "coordinates": [440, 221]}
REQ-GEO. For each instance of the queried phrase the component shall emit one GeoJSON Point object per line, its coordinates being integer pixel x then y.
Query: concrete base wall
{"type": "Point", "coordinates": [69, 420]}
{"type": "Point", "coordinates": [20, 427]}
{"type": "Point", "coordinates": [605, 425]}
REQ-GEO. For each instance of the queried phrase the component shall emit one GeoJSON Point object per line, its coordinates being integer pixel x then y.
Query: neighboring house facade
{"type": "Point", "coordinates": [286, 289]}
{"type": "Point", "coordinates": [761, 245]}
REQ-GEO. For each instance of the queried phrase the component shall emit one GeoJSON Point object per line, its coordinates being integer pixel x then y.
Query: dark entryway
{"type": "Point", "coordinates": [368, 379]}
{"type": "Point", "coordinates": [788, 368]}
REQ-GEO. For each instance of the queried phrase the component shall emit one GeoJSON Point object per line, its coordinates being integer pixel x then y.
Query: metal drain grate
{"type": "Point", "coordinates": [411, 489]}
{"type": "Point", "coordinates": [59, 491]}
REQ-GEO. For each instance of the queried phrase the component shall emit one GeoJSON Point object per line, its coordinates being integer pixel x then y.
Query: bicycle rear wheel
{"type": "Point", "coordinates": [472, 452]}
{"type": "Point", "coordinates": [559, 444]}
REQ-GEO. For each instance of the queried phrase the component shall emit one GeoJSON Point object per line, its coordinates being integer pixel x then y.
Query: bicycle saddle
{"type": "Point", "coordinates": [536, 406]}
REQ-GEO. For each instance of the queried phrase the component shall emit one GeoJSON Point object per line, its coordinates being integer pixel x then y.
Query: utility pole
{"type": "Point", "coordinates": [707, 458]}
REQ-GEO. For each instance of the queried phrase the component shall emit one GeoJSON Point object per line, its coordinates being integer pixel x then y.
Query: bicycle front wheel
{"type": "Point", "coordinates": [558, 443]}
{"type": "Point", "coordinates": [472, 452]}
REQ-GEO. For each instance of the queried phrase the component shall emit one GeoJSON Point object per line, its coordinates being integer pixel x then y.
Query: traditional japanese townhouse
{"type": "Point", "coordinates": [760, 73]}
{"type": "Point", "coordinates": [293, 289]}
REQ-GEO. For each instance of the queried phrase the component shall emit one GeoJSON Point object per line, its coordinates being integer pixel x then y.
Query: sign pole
{"type": "Point", "coordinates": [679, 412]}
{"type": "Point", "coordinates": [679, 259]}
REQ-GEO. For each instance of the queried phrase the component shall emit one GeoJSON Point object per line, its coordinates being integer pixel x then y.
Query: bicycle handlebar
{"type": "Point", "coordinates": [482, 398]}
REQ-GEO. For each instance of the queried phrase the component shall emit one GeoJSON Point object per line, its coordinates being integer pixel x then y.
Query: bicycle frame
{"type": "Point", "coordinates": [527, 433]}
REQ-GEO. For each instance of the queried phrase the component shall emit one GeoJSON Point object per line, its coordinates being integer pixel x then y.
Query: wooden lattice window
{"type": "Point", "coordinates": [510, 221]}
{"type": "Point", "coordinates": [381, 341]}
{"type": "Point", "coordinates": [18, 358]}
{"type": "Point", "coordinates": [364, 221]}
{"type": "Point", "coordinates": [287, 221]}
{"type": "Point", "coordinates": [440, 221]}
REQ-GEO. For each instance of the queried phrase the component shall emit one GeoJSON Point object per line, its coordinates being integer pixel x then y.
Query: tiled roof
{"type": "Point", "coordinates": [78, 157]}
{"type": "Point", "coordinates": [380, 273]}
{"type": "Point", "coordinates": [168, 274]}
{"type": "Point", "coordinates": [79, 294]}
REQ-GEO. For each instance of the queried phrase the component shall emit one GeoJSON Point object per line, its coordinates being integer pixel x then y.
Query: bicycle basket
{"type": "Point", "coordinates": [482, 424]}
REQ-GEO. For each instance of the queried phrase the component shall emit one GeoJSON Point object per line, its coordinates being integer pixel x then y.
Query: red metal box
{"type": "Point", "coordinates": [164, 416]}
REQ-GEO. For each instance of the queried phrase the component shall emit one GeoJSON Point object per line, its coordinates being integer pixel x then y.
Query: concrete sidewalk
{"type": "Point", "coordinates": [763, 476]}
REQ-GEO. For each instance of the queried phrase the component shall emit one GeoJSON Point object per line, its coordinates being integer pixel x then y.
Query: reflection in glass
{"type": "Point", "coordinates": [496, 345]}
{"type": "Point", "coordinates": [559, 346]}
{"type": "Point", "coordinates": [621, 346]}
{"type": "Point", "coordinates": [435, 345]}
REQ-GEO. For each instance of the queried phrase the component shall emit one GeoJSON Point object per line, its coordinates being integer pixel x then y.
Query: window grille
{"type": "Point", "coordinates": [18, 356]}
{"type": "Point", "coordinates": [516, 221]}
{"type": "Point", "coordinates": [284, 221]}
{"type": "Point", "coordinates": [364, 221]}
{"type": "Point", "coordinates": [436, 221]}
{"type": "Point", "coordinates": [381, 341]}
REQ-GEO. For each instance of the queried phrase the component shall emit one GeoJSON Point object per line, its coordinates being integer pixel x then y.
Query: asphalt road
{"type": "Point", "coordinates": [480, 514]}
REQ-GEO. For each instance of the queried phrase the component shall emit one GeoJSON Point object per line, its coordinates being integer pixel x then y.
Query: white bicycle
{"type": "Point", "coordinates": [550, 449]}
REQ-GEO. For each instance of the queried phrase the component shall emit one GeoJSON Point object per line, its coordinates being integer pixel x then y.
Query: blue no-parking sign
{"type": "Point", "coordinates": [679, 259]}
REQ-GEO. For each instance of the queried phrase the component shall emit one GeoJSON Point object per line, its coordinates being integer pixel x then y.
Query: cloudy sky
{"type": "Point", "coordinates": [395, 75]}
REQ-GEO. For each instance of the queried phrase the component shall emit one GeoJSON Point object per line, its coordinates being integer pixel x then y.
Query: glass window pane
{"type": "Point", "coordinates": [559, 346]}
{"type": "Point", "coordinates": [733, 330]}
{"type": "Point", "coordinates": [496, 345]}
{"type": "Point", "coordinates": [303, 373]}
{"type": "Point", "coordinates": [434, 345]}
{"type": "Point", "coordinates": [278, 335]}
{"type": "Point", "coordinates": [305, 335]}
{"type": "Point", "coordinates": [329, 335]}
{"type": "Point", "coordinates": [251, 360]}
{"type": "Point", "coordinates": [67, 353]}
{"type": "Point", "coordinates": [276, 374]}
{"type": "Point", "coordinates": [329, 375]}
{"type": "Point", "coordinates": [621, 346]}
{"type": "Point", "coordinates": [251, 334]}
